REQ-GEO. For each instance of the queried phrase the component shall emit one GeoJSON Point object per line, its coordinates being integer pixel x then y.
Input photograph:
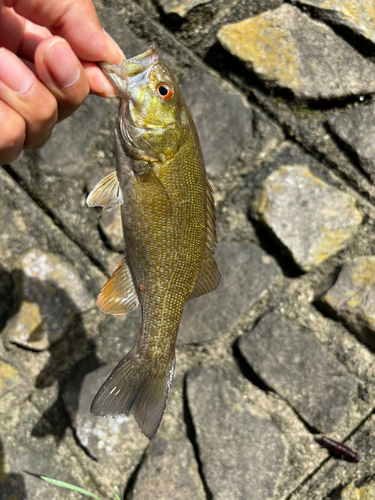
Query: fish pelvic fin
{"type": "Point", "coordinates": [137, 385]}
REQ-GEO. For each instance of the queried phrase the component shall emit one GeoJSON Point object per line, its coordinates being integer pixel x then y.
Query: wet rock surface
{"type": "Point", "coordinates": [284, 347]}
{"type": "Point", "coordinates": [286, 48]}
{"type": "Point", "coordinates": [312, 219]}
{"type": "Point", "coordinates": [289, 360]}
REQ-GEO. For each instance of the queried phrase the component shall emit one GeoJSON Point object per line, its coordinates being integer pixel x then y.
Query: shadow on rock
{"type": "Point", "coordinates": [11, 485]}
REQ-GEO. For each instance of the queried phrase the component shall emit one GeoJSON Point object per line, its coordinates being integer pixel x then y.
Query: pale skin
{"type": "Point", "coordinates": [46, 74]}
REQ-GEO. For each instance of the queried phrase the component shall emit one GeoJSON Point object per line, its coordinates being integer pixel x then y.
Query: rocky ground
{"type": "Point", "coordinates": [283, 352]}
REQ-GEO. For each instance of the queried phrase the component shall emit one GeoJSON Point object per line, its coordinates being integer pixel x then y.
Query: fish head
{"type": "Point", "coordinates": [150, 107]}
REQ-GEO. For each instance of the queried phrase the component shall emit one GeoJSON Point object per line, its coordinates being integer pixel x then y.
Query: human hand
{"type": "Point", "coordinates": [46, 74]}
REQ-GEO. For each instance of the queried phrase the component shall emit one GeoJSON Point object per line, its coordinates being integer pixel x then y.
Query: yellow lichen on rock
{"type": "Point", "coordinates": [8, 375]}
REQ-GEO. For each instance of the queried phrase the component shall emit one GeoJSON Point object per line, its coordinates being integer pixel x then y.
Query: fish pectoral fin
{"type": "Point", "coordinates": [118, 294]}
{"type": "Point", "coordinates": [106, 193]}
{"type": "Point", "coordinates": [208, 276]}
{"type": "Point", "coordinates": [137, 385]}
{"type": "Point", "coordinates": [152, 183]}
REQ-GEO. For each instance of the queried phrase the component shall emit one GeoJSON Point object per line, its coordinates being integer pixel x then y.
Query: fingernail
{"type": "Point", "coordinates": [62, 64]}
{"type": "Point", "coordinates": [114, 45]}
{"type": "Point", "coordinates": [13, 73]}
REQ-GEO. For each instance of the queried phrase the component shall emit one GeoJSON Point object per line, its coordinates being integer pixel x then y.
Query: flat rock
{"type": "Point", "coordinates": [111, 226]}
{"type": "Point", "coordinates": [173, 459]}
{"type": "Point", "coordinates": [117, 439]}
{"type": "Point", "coordinates": [48, 293]}
{"type": "Point", "coordinates": [242, 454]}
{"type": "Point", "coordinates": [296, 366]}
{"type": "Point", "coordinates": [247, 272]}
{"type": "Point", "coordinates": [311, 218]}
{"type": "Point", "coordinates": [223, 121]}
{"type": "Point", "coordinates": [356, 129]}
{"type": "Point", "coordinates": [286, 48]}
{"type": "Point", "coordinates": [180, 7]}
{"type": "Point", "coordinates": [358, 15]}
{"type": "Point", "coordinates": [352, 297]}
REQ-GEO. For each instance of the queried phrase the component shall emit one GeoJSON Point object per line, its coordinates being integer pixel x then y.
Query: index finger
{"type": "Point", "coordinates": [74, 20]}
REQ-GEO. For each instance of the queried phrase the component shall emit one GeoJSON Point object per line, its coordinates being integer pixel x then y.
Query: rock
{"type": "Point", "coordinates": [48, 293]}
{"type": "Point", "coordinates": [358, 15]}
{"type": "Point", "coordinates": [242, 454]}
{"type": "Point", "coordinates": [247, 272]}
{"type": "Point", "coordinates": [351, 492]}
{"type": "Point", "coordinates": [295, 365]}
{"type": "Point", "coordinates": [111, 226]}
{"type": "Point", "coordinates": [312, 219]}
{"type": "Point", "coordinates": [356, 129]}
{"type": "Point", "coordinates": [180, 7]}
{"type": "Point", "coordinates": [169, 471]}
{"type": "Point", "coordinates": [117, 439]}
{"type": "Point", "coordinates": [223, 121]}
{"type": "Point", "coordinates": [352, 297]}
{"type": "Point", "coordinates": [9, 377]}
{"type": "Point", "coordinates": [286, 48]}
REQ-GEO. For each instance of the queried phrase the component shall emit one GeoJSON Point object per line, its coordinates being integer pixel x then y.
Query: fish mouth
{"type": "Point", "coordinates": [129, 72]}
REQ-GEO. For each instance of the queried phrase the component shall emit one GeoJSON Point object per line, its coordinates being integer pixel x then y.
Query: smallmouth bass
{"type": "Point", "coordinates": [167, 210]}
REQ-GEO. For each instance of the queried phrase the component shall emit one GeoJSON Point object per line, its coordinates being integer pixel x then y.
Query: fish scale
{"type": "Point", "coordinates": [169, 231]}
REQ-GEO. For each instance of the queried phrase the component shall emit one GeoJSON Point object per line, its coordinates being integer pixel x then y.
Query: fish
{"type": "Point", "coordinates": [168, 219]}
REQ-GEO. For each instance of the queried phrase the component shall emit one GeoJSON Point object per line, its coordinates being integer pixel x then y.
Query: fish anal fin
{"type": "Point", "coordinates": [138, 386]}
{"type": "Point", "coordinates": [118, 295]}
{"type": "Point", "coordinates": [106, 193]}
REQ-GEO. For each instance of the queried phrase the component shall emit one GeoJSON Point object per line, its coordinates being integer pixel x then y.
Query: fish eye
{"type": "Point", "coordinates": [164, 91]}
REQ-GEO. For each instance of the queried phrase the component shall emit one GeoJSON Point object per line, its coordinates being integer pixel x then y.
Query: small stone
{"type": "Point", "coordinates": [352, 297]}
{"type": "Point", "coordinates": [356, 128]}
{"type": "Point", "coordinates": [242, 454]}
{"type": "Point", "coordinates": [247, 272]}
{"type": "Point", "coordinates": [9, 377]}
{"type": "Point", "coordinates": [312, 219]}
{"type": "Point", "coordinates": [173, 459]}
{"type": "Point", "coordinates": [223, 121]}
{"type": "Point", "coordinates": [180, 7]}
{"type": "Point", "coordinates": [48, 294]}
{"type": "Point", "coordinates": [111, 225]}
{"type": "Point", "coordinates": [295, 365]}
{"type": "Point", "coordinates": [358, 15]}
{"type": "Point", "coordinates": [285, 47]}
{"type": "Point", "coordinates": [118, 439]}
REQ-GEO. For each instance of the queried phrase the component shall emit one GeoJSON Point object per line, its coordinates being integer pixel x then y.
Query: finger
{"type": "Point", "coordinates": [33, 35]}
{"type": "Point", "coordinates": [12, 133]}
{"type": "Point", "coordinates": [74, 20]}
{"type": "Point", "coordinates": [22, 91]}
{"type": "Point", "coordinates": [99, 83]}
{"type": "Point", "coordinates": [11, 29]}
{"type": "Point", "coordinates": [62, 73]}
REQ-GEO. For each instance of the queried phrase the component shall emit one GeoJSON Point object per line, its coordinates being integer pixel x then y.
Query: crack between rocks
{"type": "Point", "coordinates": [129, 490]}
{"type": "Point", "coordinates": [191, 435]}
{"type": "Point", "coordinates": [54, 219]}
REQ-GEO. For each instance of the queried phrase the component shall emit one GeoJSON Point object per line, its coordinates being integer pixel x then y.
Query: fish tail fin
{"type": "Point", "coordinates": [137, 385]}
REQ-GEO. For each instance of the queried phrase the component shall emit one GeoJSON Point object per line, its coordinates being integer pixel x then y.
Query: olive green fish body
{"type": "Point", "coordinates": [168, 225]}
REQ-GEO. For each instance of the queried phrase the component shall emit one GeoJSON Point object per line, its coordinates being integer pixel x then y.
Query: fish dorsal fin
{"type": "Point", "coordinates": [106, 193]}
{"type": "Point", "coordinates": [208, 275]}
{"type": "Point", "coordinates": [118, 294]}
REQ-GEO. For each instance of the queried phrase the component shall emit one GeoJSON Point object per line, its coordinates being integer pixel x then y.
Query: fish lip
{"type": "Point", "coordinates": [128, 72]}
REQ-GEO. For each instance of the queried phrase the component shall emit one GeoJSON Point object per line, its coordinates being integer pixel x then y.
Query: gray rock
{"type": "Point", "coordinates": [117, 439]}
{"type": "Point", "coordinates": [223, 121]}
{"type": "Point", "coordinates": [247, 272]}
{"type": "Point", "coordinates": [48, 293]}
{"type": "Point", "coordinates": [9, 377]}
{"type": "Point", "coordinates": [295, 365]}
{"type": "Point", "coordinates": [180, 7]}
{"type": "Point", "coordinates": [312, 219]}
{"type": "Point", "coordinates": [358, 15]}
{"type": "Point", "coordinates": [169, 471]}
{"type": "Point", "coordinates": [356, 128]}
{"type": "Point", "coordinates": [111, 226]}
{"type": "Point", "coordinates": [242, 454]}
{"type": "Point", "coordinates": [352, 297]}
{"type": "Point", "coordinates": [285, 47]}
